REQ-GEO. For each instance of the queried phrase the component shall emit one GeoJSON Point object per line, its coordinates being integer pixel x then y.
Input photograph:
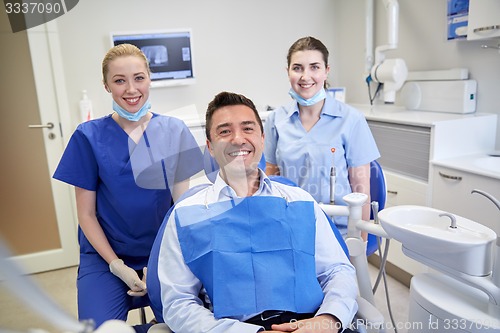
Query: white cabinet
{"type": "Point", "coordinates": [404, 149]}
{"type": "Point", "coordinates": [484, 19]}
{"type": "Point", "coordinates": [408, 141]}
{"type": "Point", "coordinates": [405, 152]}
{"type": "Point", "coordinates": [199, 135]}
{"type": "Point", "coordinates": [451, 192]}
{"type": "Point", "coordinates": [403, 190]}
{"type": "Point", "coordinates": [198, 132]}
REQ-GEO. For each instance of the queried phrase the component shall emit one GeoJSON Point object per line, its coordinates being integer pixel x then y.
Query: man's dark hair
{"type": "Point", "coordinates": [227, 99]}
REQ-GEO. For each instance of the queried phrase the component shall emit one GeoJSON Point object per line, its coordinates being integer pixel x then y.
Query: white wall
{"type": "Point", "coordinates": [238, 46]}
{"type": "Point", "coordinates": [422, 44]}
{"type": "Point", "coordinates": [241, 46]}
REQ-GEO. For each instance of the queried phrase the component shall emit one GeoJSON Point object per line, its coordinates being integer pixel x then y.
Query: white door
{"type": "Point", "coordinates": [37, 219]}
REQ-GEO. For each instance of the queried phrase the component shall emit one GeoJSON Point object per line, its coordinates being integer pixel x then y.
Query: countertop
{"type": "Point", "coordinates": [459, 147]}
{"type": "Point", "coordinates": [400, 115]}
{"type": "Point", "coordinates": [476, 163]}
{"type": "Point", "coordinates": [385, 113]}
{"type": "Point", "coordinates": [479, 164]}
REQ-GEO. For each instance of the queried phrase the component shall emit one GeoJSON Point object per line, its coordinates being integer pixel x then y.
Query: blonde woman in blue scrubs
{"type": "Point", "coordinates": [304, 139]}
{"type": "Point", "coordinates": [127, 169]}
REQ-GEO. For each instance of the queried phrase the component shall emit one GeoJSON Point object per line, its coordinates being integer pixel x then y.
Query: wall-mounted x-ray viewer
{"type": "Point", "coordinates": [169, 53]}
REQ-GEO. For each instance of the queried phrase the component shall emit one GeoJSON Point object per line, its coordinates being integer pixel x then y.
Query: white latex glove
{"type": "Point", "coordinates": [114, 326]}
{"type": "Point", "coordinates": [143, 291]}
{"type": "Point", "coordinates": [130, 277]}
{"type": "Point", "coordinates": [159, 328]}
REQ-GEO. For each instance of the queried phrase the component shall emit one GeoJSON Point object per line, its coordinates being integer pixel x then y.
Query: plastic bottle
{"type": "Point", "coordinates": [86, 107]}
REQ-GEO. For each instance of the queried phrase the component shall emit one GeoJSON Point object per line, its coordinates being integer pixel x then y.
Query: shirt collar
{"type": "Point", "coordinates": [332, 107]}
{"type": "Point", "coordinates": [223, 191]}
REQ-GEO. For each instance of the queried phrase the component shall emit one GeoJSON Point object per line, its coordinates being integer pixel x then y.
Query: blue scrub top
{"type": "Point", "coordinates": [306, 157]}
{"type": "Point", "coordinates": [132, 180]}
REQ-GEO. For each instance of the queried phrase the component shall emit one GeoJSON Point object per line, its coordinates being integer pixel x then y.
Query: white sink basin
{"type": "Point", "coordinates": [428, 238]}
{"type": "Point", "coordinates": [491, 163]}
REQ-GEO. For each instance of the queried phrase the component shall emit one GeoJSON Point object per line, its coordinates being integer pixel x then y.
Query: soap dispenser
{"type": "Point", "coordinates": [86, 112]}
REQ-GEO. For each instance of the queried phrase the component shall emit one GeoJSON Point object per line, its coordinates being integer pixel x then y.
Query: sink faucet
{"type": "Point", "coordinates": [489, 196]}
{"type": "Point", "coordinates": [453, 219]}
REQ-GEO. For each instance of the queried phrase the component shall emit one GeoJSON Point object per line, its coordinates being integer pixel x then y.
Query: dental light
{"type": "Point", "coordinates": [392, 73]}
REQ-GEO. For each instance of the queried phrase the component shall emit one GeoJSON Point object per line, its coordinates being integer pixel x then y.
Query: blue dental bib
{"type": "Point", "coordinates": [252, 254]}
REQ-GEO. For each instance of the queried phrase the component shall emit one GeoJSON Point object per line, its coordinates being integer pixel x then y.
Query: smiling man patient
{"type": "Point", "coordinates": [264, 252]}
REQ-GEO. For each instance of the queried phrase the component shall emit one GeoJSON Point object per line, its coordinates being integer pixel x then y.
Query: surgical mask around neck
{"type": "Point", "coordinates": [320, 95]}
{"type": "Point", "coordinates": [132, 116]}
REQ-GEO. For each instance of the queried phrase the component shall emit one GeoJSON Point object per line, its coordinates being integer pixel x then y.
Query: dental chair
{"type": "Point", "coordinates": [358, 251]}
{"type": "Point", "coordinates": [378, 194]}
{"type": "Point", "coordinates": [367, 313]}
{"type": "Point", "coordinates": [140, 303]}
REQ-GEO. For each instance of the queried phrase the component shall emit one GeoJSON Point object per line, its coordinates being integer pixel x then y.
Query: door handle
{"type": "Point", "coordinates": [458, 178]}
{"type": "Point", "coordinates": [487, 28]}
{"type": "Point", "coordinates": [48, 125]}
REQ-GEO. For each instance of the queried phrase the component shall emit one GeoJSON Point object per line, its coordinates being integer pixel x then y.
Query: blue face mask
{"type": "Point", "coordinates": [132, 116]}
{"type": "Point", "coordinates": [320, 95]}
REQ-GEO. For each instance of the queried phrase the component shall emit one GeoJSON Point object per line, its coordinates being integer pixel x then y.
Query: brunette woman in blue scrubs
{"type": "Point", "coordinates": [127, 169]}
{"type": "Point", "coordinates": [315, 132]}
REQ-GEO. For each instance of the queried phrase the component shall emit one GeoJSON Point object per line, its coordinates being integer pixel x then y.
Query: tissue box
{"type": "Point", "coordinates": [452, 96]}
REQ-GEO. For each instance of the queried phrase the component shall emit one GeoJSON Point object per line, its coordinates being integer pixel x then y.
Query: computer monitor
{"type": "Point", "coordinates": [169, 53]}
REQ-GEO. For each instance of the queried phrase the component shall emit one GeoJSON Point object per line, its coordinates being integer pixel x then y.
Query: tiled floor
{"type": "Point", "coordinates": [60, 286]}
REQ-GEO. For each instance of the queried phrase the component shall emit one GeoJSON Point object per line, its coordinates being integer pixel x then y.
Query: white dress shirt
{"type": "Point", "coordinates": [184, 312]}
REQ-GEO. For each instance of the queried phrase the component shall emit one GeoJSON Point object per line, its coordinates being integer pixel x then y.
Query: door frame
{"type": "Point", "coordinates": [53, 107]}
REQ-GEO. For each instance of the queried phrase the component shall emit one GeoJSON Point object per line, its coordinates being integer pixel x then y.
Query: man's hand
{"type": "Point", "coordinates": [130, 277]}
{"type": "Point", "coordinates": [320, 324]}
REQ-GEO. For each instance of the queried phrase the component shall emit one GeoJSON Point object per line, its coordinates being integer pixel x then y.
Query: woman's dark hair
{"type": "Point", "coordinates": [308, 44]}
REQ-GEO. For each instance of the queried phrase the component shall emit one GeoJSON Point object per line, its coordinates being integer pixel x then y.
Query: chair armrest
{"type": "Point", "coordinates": [368, 314]}
{"type": "Point", "coordinates": [372, 228]}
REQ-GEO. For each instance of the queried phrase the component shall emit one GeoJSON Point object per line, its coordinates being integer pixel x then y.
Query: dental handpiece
{"type": "Point", "coordinates": [332, 185]}
{"type": "Point", "coordinates": [375, 211]}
